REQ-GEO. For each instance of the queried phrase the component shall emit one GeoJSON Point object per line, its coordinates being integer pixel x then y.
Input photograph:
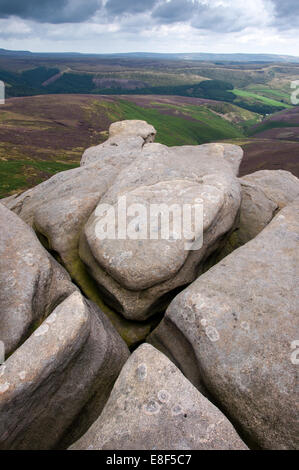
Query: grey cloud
{"type": "Point", "coordinates": [120, 7]}
{"type": "Point", "coordinates": [50, 11]}
{"type": "Point", "coordinates": [286, 13]}
{"type": "Point", "coordinates": [219, 19]}
{"type": "Point", "coordinates": [201, 15]}
{"type": "Point", "coordinates": [175, 10]}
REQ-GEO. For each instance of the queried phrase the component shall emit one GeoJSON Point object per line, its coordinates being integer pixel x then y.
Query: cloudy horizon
{"type": "Point", "coordinates": [169, 26]}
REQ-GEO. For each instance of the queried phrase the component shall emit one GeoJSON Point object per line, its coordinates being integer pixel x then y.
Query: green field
{"type": "Point", "coordinates": [198, 126]}
{"type": "Point", "coordinates": [270, 92]}
{"type": "Point", "coordinates": [263, 99]}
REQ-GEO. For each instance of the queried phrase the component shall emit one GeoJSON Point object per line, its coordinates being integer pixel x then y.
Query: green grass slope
{"type": "Point", "coordinates": [43, 135]}
{"type": "Point", "coordinates": [258, 97]}
{"type": "Point", "coordinates": [194, 124]}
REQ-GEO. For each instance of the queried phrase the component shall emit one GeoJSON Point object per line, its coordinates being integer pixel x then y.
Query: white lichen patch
{"type": "Point", "coordinates": [163, 396]}
{"type": "Point", "coordinates": [212, 333]}
{"type": "Point", "coordinates": [125, 255]}
{"type": "Point", "coordinates": [29, 258]}
{"type": "Point", "coordinates": [4, 387]}
{"type": "Point", "coordinates": [151, 408]}
{"type": "Point", "coordinates": [22, 375]}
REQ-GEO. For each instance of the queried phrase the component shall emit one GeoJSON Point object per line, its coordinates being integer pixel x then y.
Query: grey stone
{"type": "Point", "coordinates": [56, 384]}
{"type": "Point", "coordinates": [234, 330]}
{"type": "Point", "coordinates": [256, 212]}
{"type": "Point", "coordinates": [154, 407]}
{"type": "Point", "coordinates": [32, 283]}
{"type": "Point", "coordinates": [58, 209]}
{"type": "Point", "coordinates": [280, 186]}
{"type": "Point", "coordinates": [136, 274]}
{"type": "Point", "coordinates": [233, 154]}
{"type": "Point", "coordinates": [115, 148]}
{"type": "Point", "coordinates": [133, 128]}
{"type": "Point", "coordinates": [264, 193]}
{"type": "Point", "coordinates": [135, 278]}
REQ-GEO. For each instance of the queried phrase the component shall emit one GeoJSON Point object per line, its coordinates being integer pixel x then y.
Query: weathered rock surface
{"type": "Point", "coordinates": [136, 274]}
{"type": "Point", "coordinates": [32, 283]}
{"type": "Point", "coordinates": [135, 278]}
{"type": "Point", "coordinates": [126, 139]}
{"type": "Point", "coordinates": [233, 154]}
{"type": "Point", "coordinates": [232, 333]}
{"type": "Point", "coordinates": [133, 128]}
{"type": "Point", "coordinates": [118, 146]}
{"type": "Point", "coordinates": [58, 209]}
{"type": "Point", "coordinates": [153, 406]}
{"type": "Point", "coordinates": [264, 193]}
{"type": "Point", "coordinates": [280, 186]}
{"type": "Point", "coordinates": [56, 384]}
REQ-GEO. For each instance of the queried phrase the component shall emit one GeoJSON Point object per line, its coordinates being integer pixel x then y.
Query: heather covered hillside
{"type": "Point", "coordinates": [42, 135]}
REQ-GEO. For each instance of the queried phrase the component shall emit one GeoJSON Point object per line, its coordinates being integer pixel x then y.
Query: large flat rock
{"type": "Point", "coordinates": [137, 273]}
{"type": "Point", "coordinates": [233, 333]}
{"type": "Point", "coordinates": [154, 407]}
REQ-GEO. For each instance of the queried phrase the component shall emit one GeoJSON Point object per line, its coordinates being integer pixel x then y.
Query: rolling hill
{"type": "Point", "coordinates": [261, 84]}
{"type": "Point", "coordinates": [43, 135]}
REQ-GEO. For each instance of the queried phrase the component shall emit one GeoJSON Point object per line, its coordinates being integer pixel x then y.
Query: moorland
{"type": "Point", "coordinates": [59, 104]}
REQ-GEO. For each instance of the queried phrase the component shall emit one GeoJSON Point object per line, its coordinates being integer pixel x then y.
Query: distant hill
{"type": "Point", "coordinates": [263, 88]}
{"type": "Point", "coordinates": [198, 56]}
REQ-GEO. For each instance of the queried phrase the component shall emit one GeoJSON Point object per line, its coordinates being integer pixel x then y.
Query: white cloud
{"type": "Point", "coordinates": [257, 26]}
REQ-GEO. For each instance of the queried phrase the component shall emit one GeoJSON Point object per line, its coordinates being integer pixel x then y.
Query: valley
{"type": "Point", "coordinates": [58, 105]}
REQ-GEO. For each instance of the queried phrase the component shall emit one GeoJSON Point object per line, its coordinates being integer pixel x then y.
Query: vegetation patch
{"type": "Point", "coordinates": [263, 99]}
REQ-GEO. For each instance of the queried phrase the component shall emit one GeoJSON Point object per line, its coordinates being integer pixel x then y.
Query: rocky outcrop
{"type": "Point", "coordinates": [32, 283]}
{"type": "Point", "coordinates": [138, 275]}
{"type": "Point", "coordinates": [135, 279]}
{"type": "Point", "coordinates": [153, 406]}
{"type": "Point", "coordinates": [233, 334]}
{"type": "Point", "coordinates": [58, 208]}
{"type": "Point", "coordinates": [55, 385]}
{"type": "Point", "coordinates": [126, 139]}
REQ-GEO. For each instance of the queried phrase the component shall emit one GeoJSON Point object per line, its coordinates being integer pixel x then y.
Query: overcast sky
{"type": "Point", "coordinates": [105, 26]}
